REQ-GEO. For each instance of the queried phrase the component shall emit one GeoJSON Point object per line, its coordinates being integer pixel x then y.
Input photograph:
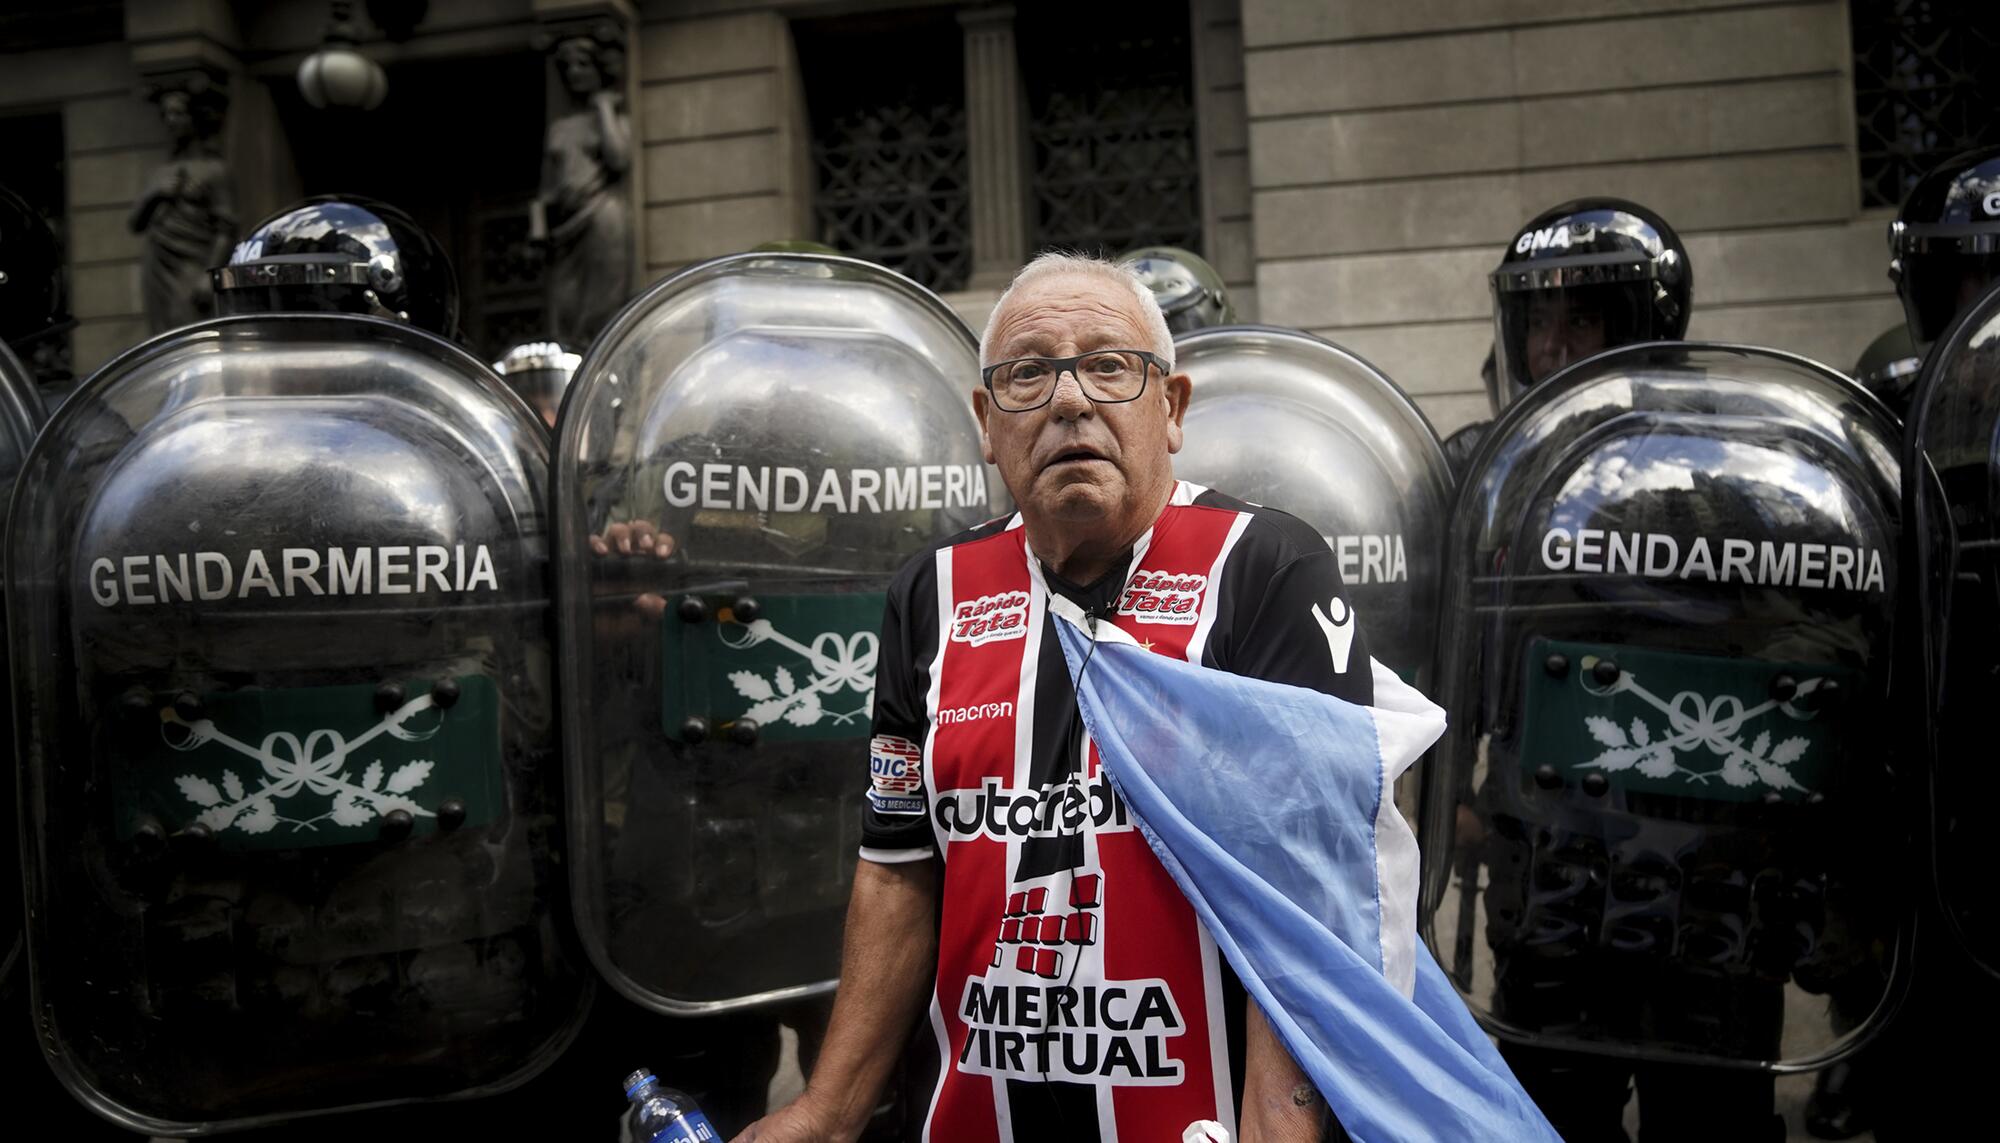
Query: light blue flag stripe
{"type": "Point", "coordinates": [1267, 805]}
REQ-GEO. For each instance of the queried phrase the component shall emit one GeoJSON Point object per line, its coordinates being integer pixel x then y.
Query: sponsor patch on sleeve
{"type": "Point", "coordinates": [896, 775]}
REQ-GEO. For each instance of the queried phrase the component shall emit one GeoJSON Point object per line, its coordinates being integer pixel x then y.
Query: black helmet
{"type": "Point", "coordinates": [1188, 289]}
{"type": "Point", "coordinates": [342, 253]}
{"type": "Point", "coordinates": [1614, 266]}
{"type": "Point", "coordinates": [1944, 246]}
{"type": "Point", "coordinates": [30, 270]}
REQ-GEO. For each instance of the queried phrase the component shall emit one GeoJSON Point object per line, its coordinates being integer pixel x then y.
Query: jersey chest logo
{"type": "Point", "coordinates": [1003, 615]}
{"type": "Point", "coordinates": [1163, 597]}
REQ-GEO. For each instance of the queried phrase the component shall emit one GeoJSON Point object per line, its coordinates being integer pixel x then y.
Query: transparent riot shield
{"type": "Point", "coordinates": [745, 457]}
{"type": "Point", "coordinates": [1656, 826]}
{"type": "Point", "coordinates": [1280, 417]}
{"type": "Point", "coordinates": [279, 601]}
{"type": "Point", "coordinates": [21, 416]}
{"type": "Point", "coordinates": [1952, 489]}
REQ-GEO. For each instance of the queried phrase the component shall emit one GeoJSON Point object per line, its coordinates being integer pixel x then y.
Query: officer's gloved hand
{"type": "Point", "coordinates": [638, 540]}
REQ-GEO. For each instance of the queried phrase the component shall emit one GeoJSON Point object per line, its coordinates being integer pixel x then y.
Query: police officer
{"type": "Point", "coordinates": [1579, 278]}
{"type": "Point", "coordinates": [1944, 256]}
{"type": "Point", "coordinates": [538, 371]}
{"type": "Point", "coordinates": [1189, 290]}
{"type": "Point", "coordinates": [342, 254]}
{"type": "Point", "coordinates": [1944, 247]}
{"type": "Point", "coordinates": [251, 936]}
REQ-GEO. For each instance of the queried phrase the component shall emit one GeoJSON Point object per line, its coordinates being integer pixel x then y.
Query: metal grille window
{"type": "Point", "coordinates": [1111, 126]}
{"type": "Point", "coordinates": [887, 95]}
{"type": "Point", "coordinates": [1926, 86]}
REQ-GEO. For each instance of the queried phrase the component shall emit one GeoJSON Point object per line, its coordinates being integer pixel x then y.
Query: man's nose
{"type": "Point", "coordinates": [1069, 401]}
{"type": "Point", "coordinates": [1550, 344]}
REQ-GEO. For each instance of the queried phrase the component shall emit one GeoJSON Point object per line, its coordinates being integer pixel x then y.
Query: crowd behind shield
{"type": "Point", "coordinates": [392, 727]}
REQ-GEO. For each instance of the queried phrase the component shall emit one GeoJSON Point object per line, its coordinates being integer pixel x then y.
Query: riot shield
{"type": "Point", "coordinates": [1283, 418]}
{"type": "Point", "coordinates": [21, 416]}
{"type": "Point", "coordinates": [745, 456]}
{"type": "Point", "coordinates": [278, 593]}
{"type": "Point", "coordinates": [1952, 490]}
{"type": "Point", "coordinates": [1656, 826]}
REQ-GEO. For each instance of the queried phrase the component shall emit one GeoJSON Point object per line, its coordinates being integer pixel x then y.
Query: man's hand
{"type": "Point", "coordinates": [886, 968]}
{"type": "Point", "coordinates": [800, 1121]}
{"type": "Point", "coordinates": [641, 540]}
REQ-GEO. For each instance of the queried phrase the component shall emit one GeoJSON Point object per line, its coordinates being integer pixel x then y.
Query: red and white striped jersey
{"type": "Point", "coordinates": [1077, 994]}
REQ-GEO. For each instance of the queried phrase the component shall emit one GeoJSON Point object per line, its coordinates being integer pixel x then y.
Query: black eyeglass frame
{"type": "Point", "coordinates": [1061, 365]}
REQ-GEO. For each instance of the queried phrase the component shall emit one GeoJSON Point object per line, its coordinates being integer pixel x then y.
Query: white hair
{"type": "Point", "coordinates": [1056, 264]}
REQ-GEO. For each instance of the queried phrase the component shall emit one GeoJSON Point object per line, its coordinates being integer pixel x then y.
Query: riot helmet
{"type": "Point", "coordinates": [342, 254]}
{"type": "Point", "coordinates": [1580, 278]}
{"type": "Point", "coordinates": [1188, 289]}
{"type": "Point", "coordinates": [538, 371]}
{"type": "Point", "coordinates": [30, 271]}
{"type": "Point", "coordinates": [1944, 246]}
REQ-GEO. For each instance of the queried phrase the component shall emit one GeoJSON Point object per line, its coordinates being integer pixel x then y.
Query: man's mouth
{"type": "Point", "coordinates": [1074, 456]}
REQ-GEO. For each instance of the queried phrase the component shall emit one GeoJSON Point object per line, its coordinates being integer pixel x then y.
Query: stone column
{"type": "Point", "coordinates": [995, 146]}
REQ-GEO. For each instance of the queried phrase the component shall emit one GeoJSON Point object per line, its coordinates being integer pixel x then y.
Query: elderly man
{"type": "Point", "coordinates": [1073, 991]}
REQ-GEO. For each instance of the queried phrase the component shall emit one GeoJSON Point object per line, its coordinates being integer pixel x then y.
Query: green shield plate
{"type": "Point", "coordinates": [1688, 725]}
{"type": "Point", "coordinates": [803, 671]}
{"type": "Point", "coordinates": [311, 766]}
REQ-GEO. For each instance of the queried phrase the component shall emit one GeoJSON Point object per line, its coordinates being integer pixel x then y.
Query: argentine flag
{"type": "Point", "coordinates": [1272, 808]}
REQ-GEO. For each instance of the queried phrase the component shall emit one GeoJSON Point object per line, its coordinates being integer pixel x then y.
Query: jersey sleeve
{"type": "Point", "coordinates": [895, 825]}
{"type": "Point", "coordinates": [1302, 630]}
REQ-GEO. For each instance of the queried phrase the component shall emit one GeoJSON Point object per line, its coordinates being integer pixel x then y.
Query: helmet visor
{"type": "Point", "coordinates": [1546, 318]}
{"type": "Point", "coordinates": [1937, 286]}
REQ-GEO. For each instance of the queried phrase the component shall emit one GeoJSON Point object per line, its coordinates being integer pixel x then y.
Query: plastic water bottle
{"type": "Point", "coordinates": [662, 1115]}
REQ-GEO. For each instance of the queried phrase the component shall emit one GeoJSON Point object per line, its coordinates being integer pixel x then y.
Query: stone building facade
{"type": "Point", "coordinates": [1351, 167]}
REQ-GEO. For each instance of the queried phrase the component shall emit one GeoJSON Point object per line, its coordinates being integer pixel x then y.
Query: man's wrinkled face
{"type": "Point", "coordinates": [1561, 328]}
{"type": "Point", "coordinates": [1073, 459]}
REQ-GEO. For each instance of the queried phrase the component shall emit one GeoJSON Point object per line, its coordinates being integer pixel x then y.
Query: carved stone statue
{"type": "Point", "coordinates": [583, 215]}
{"type": "Point", "coordinates": [187, 210]}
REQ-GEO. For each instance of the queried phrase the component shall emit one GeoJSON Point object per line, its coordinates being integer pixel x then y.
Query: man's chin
{"type": "Point", "coordinates": [1069, 499]}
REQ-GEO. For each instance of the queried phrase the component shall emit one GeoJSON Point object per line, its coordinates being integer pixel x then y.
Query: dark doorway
{"type": "Point", "coordinates": [38, 171]}
{"type": "Point", "coordinates": [458, 144]}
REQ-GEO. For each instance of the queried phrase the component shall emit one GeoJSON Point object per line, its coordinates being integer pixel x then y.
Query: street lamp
{"type": "Point", "coordinates": [337, 74]}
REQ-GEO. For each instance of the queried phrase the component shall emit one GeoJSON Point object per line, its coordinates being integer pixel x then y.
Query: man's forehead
{"type": "Point", "coordinates": [1085, 309]}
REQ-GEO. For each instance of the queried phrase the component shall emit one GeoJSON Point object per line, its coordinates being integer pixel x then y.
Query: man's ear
{"type": "Point", "coordinates": [980, 408]}
{"type": "Point", "coordinates": [1177, 389]}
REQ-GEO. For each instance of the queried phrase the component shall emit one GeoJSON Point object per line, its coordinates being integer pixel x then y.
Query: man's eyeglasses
{"type": "Point", "coordinates": [1106, 376]}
